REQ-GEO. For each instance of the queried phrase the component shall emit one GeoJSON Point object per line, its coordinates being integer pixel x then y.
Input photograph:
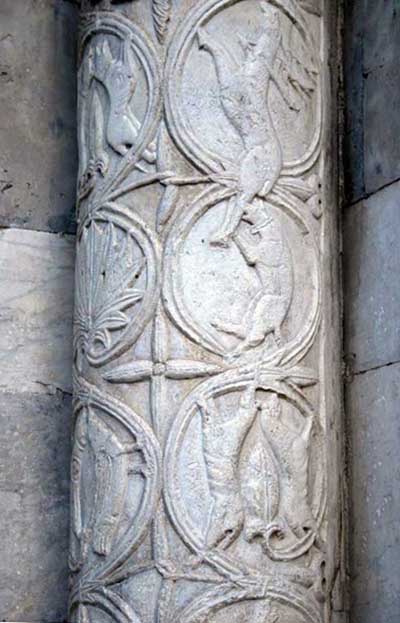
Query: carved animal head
{"type": "Point", "coordinates": [116, 74]}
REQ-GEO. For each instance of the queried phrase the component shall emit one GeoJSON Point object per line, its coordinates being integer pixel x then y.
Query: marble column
{"type": "Point", "coordinates": [206, 460]}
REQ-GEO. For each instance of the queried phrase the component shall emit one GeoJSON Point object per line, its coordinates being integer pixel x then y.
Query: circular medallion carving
{"type": "Point", "coordinates": [226, 91]}
{"type": "Point", "coordinates": [257, 298]}
{"type": "Point", "coordinates": [244, 471]}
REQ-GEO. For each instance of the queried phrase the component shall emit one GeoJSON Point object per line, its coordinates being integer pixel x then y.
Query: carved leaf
{"type": "Point", "coordinates": [261, 489]}
{"type": "Point", "coordinates": [187, 369]}
{"type": "Point", "coordinates": [159, 345]}
{"type": "Point", "coordinates": [161, 17]}
{"type": "Point", "coordinates": [107, 270]}
{"type": "Point", "coordinates": [130, 372]}
{"type": "Point", "coordinates": [302, 377]}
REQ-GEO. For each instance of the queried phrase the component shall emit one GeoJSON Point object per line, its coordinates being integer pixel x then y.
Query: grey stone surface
{"type": "Point", "coordinates": [354, 99]}
{"type": "Point", "coordinates": [36, 276]}
{"type": "Point", "coordinates": [373, 401]}
{"type": "Point", "coordinates": [34, 506]}
{"type": "Point", "coordinates": [381, 33]}
{"type": "Point", "coordinates": [373, 92]}
{"type": "Point", "coordinates": [382, 125]}
{"type": "Point", "coordinates": [38, 114]}
{"type": "Point", "coordinates": [371, 280]}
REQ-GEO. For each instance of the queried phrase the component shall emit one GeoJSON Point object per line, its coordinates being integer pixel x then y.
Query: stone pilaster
{"type": "Point", "coordinates": [207, 411]}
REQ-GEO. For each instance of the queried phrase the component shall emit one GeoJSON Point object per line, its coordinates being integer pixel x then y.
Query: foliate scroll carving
{"type": "Point", "coordinates": [202, 458]}
{"type": "Point", "coordinates": [162, 10]}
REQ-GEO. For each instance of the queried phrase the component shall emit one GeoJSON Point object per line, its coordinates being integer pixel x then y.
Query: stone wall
{"type": "Point", "coordinates": [37, 190]}
{"type": "Point", "coordinates": [371, 225]}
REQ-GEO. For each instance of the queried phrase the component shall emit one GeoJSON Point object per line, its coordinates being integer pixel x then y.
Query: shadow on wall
{"type": "Point", "coordinates": [38, 164]}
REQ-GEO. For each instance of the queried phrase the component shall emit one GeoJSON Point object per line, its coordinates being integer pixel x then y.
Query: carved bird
{"type": "Point", "coordinates": [119, 79]}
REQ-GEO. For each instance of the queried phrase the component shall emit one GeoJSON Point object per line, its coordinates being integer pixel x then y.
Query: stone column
{"type": "Point", "coordinates": [207, 409]}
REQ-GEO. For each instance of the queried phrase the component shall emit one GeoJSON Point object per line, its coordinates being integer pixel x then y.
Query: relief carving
{"type": "Point", "coordinates": [201, 470]}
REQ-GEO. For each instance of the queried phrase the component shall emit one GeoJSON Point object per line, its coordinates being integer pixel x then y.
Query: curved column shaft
{"type": "Point", "coordinates": [205, 457]}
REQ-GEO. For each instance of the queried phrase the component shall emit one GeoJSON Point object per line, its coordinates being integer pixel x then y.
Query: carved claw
{"type": "Point", "coordinates": [226, 523]}
{"type": "Point", "coordinates": [278, 336]}
{"type": "Point", "coordinates": [102, 545]}
{"type": "Point", "coordinates": [204, 408]}
{"type": "Point", "coordinates": [253, 527]}
{"type": "Point", "coordinates": [226, 327]}
{"type": "Point", "coordinates": [223, 241]}
{"type": "Point", "coordinates": [103, 538]}
{"type": "Point", "coordinates": [203, 38]}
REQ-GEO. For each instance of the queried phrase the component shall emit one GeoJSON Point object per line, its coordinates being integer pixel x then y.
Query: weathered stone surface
{"type": "Point", "coordinates": [381, 126]}
{"type": "Point", "coordinates": [38, 158]}
{"type": "Point", "coordinates": [372, 95]}
{"type": "Point", "coordinates": [34, 506]}
{"type": "Point", "coordinates": [380, 22]}
{"type": "Point", "coordinates": [205, 460]}
{"type": "Point", "coordinates": [36, 276]}
{"type": "Point", "coordinates": [373, 402]}
{"type": "Point", "coordinates": [354, 81]}
{"type": "Point", "coordinates": [371, 269]}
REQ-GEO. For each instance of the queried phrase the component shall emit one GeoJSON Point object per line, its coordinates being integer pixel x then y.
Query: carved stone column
{"type": "Point", "coordinates": [205, 459]}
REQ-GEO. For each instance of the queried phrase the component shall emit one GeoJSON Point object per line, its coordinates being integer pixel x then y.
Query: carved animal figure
{"type": "Point", "coordinates": [291, 448]}
{"type": "Point", "coordinates": [111, 461]}
{"type": "Point", "coordinates": [297, 507]}
{"type": "Point", "coordinates": [118, 77]}
{"type": "Point", "coordinates": [265, 249]}
{"type": "Point", "coordinates": [244, 90]}
{"type": "Point", "coordinates": [222, 443]}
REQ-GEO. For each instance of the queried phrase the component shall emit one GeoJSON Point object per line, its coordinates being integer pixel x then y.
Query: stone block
{"type": "Point", "coordinates": [372, 91]}
{"type": "Point", "coordinates": [38, 158]}
{"type": "Point", "coordinates": [36, 276]}
{"type": "Point", "coordinates": [381, 27]}
{"type": "Point", "coordinates": [381, 126]}
{"type": "Point", "coordinates": [34, 503]}
{"type": "Point", "coordinates": [373, 402]}
{"type": "Point", "coordinates": [371, 282]}
{"type": "Point", "coordinates": [354, 98]}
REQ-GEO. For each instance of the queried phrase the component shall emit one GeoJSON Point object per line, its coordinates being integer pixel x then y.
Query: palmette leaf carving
{"type": "Point", "coordinates": [117, 285]}
{"type": "Point", "coordinates": [161, 16]}
{"type": "Point", "coordinates": [201, 434]}
{"type": "Point", "coordinates": [108, 271]}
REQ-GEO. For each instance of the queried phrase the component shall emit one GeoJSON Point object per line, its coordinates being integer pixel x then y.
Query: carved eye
{"type": "Point", "coordinates": [75, 469]}
{"type": "Point", "coordinates": [119, 77]}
